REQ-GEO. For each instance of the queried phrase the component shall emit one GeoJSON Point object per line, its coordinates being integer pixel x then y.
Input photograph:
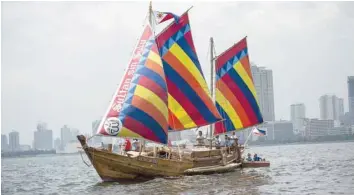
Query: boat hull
{"type": "Point", "coordinates": [127, 168]}
{"type": "Point", "coordinates": [255, 164]}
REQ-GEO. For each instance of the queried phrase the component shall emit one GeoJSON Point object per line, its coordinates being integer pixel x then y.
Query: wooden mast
{"type": "Point", "coordinates": [211, 84]}
{"type": "Point", "coordinates": [150, 13]}
{"type": "Point", "coordinates": [142, 142]}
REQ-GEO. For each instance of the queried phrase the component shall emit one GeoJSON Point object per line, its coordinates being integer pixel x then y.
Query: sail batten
{"type": "Point", "coordinates": [139, 107]}
{"type": "Point", "coordinates": [189, 101]}
{"type": "Point", "coordinates": [236, 97]}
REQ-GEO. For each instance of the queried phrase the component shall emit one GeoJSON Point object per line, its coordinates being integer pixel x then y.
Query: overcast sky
{"type": "Point", "coordinates": [61, 61]}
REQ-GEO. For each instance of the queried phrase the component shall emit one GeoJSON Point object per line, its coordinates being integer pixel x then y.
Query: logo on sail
{"type": "Point", "coordinates": [112, 126]}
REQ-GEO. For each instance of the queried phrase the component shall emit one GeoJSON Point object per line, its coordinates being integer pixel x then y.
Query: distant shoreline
{"type": "Point", "coordinates": [24, 154]}
{"type": "Point", "coordinates": [298, 143]}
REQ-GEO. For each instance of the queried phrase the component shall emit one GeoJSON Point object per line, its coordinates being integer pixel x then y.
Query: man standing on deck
{"type": "Point", "coordinates": [217, 142]}
{"type": "Point", "coordinates": [234, 139]}
{"type": "Point", "coordinates": [200, 139]}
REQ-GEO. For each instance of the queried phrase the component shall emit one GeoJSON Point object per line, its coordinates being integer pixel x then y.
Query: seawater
{"type": "Point", "coordinates": [326, 168]}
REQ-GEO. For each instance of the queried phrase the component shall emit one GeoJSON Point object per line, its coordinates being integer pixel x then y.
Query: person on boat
{"type": "Point", "coordinates": [233, 138]}
{"type": "Point", "coordinates": [256, 158]}
{"type": "Point", "coordinates": [128, 145]}
{"type": "Point", "coordinates": [200, 139]}
{"type": "Point", "coordinates": [235, 146]}
{"type": "Point", "coordinates": [249, 157]}
{"type": "Point", "coordinates": [217, 142]}
{"type": "Point", "coordinates": [227, 141]}
{"type": "Point", "coordinates": [136, 145]}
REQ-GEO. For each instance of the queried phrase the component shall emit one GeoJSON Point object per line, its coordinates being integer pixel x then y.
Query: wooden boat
{"type": "Point", "coordinates": [143, 166]}
{"type": "Point", "coordinates": [164, 89]}
{"type": "Point", "coordinates": [255, 164]}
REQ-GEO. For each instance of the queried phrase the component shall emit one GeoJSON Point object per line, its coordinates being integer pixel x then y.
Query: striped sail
{"type": "Point", "coordinates": [139, 106]}
{"type": "Point", "coordinates": [236, 97]}
{"type": "Point", "coordinates": [189, 101]}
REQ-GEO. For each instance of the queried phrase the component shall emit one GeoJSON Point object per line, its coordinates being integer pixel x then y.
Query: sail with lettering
{"type": "Point", "coordinates": [189, 101]}
{"type": "Point", "coordinates": [139, 106]}
{"type": "Point", "coordinates": [235, 94]}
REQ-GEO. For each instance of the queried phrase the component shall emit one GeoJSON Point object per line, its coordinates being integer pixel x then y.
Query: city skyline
{"type": "Point", "coordinates": [71, 80]}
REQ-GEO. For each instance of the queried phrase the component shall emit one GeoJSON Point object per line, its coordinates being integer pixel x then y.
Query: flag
{"type": "Point", "coordinates": [164, 16]}
{"type": "Point", "coordinates": [258, 132]}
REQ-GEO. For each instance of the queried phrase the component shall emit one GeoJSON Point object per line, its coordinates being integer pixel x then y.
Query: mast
{"type": "Point", "coordinates": [211, 83]}
{"type": "Point", "coordinates": [150, 13]}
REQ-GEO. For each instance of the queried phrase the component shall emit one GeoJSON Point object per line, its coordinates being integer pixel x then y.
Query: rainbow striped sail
{"type": "Point", "coordinates": [189, 101]}
{"type": "Point", "coordinates": [139, 106]}
{"type": "Point", "coordinates": [236, 97]}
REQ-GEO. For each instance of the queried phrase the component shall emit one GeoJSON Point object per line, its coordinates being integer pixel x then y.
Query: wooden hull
{"type": "Point", "coordinates": [123, 168]}
{"type": "Point", "coordinates": [255, 164]}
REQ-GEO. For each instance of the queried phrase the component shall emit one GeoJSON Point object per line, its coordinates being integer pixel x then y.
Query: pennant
{"type": "Point", "coordinates": [161, 17]}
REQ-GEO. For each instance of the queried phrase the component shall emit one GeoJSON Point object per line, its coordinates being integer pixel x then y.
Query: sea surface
{"type": "Point", "coordinates": [326, 168]}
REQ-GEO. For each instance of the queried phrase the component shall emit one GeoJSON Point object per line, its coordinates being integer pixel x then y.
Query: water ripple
{"type": "Point", "coordinates": [295, 169]}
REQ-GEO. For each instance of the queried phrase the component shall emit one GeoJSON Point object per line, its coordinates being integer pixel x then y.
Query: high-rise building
{"type": "Point", "coordinates": [65, 135]}
{"type": "Point", "coordinates": [298, 113]}
{"type": "Point", "coordinates": [316, 128]}
{"type": "Point", "coordinates": [14, 141]}
{"type": "Point", "coordinates": [351, 98]}
{"type": "Point", "coordinates": [278, 130]}
{"type": "Point", "coordinates": [57, 145]}
{"type": "Point", "coordinates": [74, 132]}
{"type": "Point", "coordinates": [331, 107]}
{"type": "Point", "coordinates": [263, 81]}
{"type": "Point", "coordinates": [43, 139]}
{"type": "Point", "coordinates": [4, 143]}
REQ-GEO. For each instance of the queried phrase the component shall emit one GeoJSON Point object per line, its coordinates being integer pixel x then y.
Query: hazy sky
{"type": "Point", "coordinates": [62, 61]}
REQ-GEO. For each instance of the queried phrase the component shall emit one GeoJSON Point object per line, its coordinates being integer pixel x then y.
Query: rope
{"type": "Point", "coordinates": [82, 158]}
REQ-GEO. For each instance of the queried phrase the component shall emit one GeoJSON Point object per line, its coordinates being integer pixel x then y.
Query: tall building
{"type": "Point", "coordinates": [331, 107]}
{"type": "Point", "coordinates": [57, 145]}
{"type": "Point", "coordinates": [278, 130]}
{"type": "Point", "coordinates": [43, 138]}
{"type": "Point", "coordinates": [316, 128]}
{"type": "Point", "coordinates": [14, 141]}
{"type": "Point", "coordinates": [65, 135]}
{"type": "Point", "coordinates": [74, 132]}
{"type": "Point", "coordinates": [351, 98]}
{"type": "Point", "coordinates": [263, 81]}
{"type": "Point", "coordinates": [4, 143]}
{"type": "Point", "coordinates": [298, 113]}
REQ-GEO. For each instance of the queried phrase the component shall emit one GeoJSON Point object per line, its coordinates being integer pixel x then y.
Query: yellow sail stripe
{"type": "Point", "coordinates": [180, 113]}
{"type": "Point", "coordinates": [152, 98]}
{"type": "Point", "coordinates": [244, 76]}
{"type": "Point", "coordinates": [178, 52]}
{"type": "Point", "coordinates": [125, 132]}
{"type": "Point", "coordinates": [155, 57]}
{"type": "Point", "coordinates": [228, 108]}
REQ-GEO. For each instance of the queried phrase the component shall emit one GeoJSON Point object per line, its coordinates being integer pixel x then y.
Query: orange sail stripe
{"type": "Point", "coordinates": [174, 121]}
{"type": "Point", "coordinates": [155, 67]}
